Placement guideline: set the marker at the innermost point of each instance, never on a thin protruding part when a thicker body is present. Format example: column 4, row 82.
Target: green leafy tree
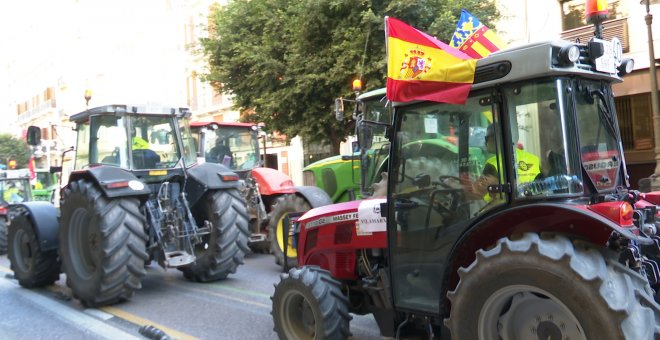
column 285, row 61
column 14, row 148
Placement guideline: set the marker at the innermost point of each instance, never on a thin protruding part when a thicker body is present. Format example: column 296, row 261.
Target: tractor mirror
column 339, row 109
column 33, row 136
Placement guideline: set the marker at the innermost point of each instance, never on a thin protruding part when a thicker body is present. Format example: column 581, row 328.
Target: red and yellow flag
column 421, row 67
column 474, row 38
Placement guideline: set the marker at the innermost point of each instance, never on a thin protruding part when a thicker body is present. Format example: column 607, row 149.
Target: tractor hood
column 365, row 213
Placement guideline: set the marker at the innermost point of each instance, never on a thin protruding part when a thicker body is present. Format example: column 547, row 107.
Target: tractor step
column 178, row 258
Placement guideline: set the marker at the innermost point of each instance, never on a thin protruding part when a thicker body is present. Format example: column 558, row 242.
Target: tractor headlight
column 569, row 54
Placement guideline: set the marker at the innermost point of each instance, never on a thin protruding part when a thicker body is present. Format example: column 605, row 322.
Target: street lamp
column 655, row 181
column 88, row 96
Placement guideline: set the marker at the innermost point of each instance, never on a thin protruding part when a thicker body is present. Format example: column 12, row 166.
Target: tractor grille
column 310, row 241
column 344, row 233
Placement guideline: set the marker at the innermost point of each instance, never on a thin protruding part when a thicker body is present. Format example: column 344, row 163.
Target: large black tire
column 551, row 288
column 3, row 236
column 32, row 267
column 223, row 250
column 309, row 304
column 102, row 244
column 283, row 205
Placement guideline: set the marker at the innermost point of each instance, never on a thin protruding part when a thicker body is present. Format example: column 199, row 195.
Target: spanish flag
column 473, row 38
column 421, row 67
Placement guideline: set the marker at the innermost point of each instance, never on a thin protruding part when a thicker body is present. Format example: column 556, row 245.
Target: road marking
column 74, row 317
column 108, row 312
column 142, row 321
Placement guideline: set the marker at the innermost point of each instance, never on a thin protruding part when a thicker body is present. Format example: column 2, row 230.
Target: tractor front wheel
column 223, row 250
column 102, row 244
column 283, row 205
column 32, row 267
column 309, row 304
column 550, row 288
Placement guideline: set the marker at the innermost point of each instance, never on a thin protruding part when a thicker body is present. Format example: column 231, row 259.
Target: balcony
column 611, row 28
column 36, row 112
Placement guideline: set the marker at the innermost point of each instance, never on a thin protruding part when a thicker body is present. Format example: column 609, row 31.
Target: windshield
column 15, row 191
column 236, row 147
column 599, row 149
column 150, row 141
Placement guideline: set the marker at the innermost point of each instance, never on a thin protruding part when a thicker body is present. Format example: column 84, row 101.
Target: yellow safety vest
column 528, row 166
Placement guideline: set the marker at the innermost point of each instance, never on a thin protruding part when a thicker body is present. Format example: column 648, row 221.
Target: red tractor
column 270, row 194
column 553, row 246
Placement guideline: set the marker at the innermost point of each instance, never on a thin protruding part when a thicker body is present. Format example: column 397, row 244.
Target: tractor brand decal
column 331, row 219
column 369, row 217
column 601, row 165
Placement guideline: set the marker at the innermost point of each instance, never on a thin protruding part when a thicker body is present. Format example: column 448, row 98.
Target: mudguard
column 44, row 218
column 272, row 182
column 106, row 175
column 203, row 177
column 316, row 197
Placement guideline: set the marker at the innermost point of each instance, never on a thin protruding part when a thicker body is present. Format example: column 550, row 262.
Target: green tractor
column 340, row 176
column 46, row 185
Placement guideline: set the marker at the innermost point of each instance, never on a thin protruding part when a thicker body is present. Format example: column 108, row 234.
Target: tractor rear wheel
column 3, row 236
column 102, row 244
column 223, row 250
column 32, row 267
column 309, row 304
column 283, row 205
column 550, row 288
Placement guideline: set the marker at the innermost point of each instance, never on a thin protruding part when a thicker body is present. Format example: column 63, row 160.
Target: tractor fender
column 567, row 219
column 316, row 197
column 44, row 218
column 272, row 182
column 105, row 176
column 209, row 176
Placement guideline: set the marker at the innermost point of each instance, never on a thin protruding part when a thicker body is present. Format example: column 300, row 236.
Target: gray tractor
column 135, row 194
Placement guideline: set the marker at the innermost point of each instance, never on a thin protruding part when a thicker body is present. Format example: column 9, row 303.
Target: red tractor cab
column 270, row 194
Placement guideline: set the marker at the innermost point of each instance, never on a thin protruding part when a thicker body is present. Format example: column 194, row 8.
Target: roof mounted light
column 569, row 54
column 626, row 67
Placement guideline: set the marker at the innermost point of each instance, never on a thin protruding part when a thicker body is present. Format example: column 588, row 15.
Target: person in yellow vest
column 528, row 167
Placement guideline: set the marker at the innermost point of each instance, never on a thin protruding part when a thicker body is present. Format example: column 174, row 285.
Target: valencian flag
column 421, row 67
column 473, row 38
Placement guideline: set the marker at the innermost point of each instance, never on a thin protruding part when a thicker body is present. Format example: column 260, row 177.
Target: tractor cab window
column 374, row 144
column 101, row 140
column 440, row 152
column 189, row 143
column 541, row 132
column 236, row 147
column 153, row 142
column 600, row 155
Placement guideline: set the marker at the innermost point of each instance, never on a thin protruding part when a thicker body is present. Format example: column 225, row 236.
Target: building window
column 634, row 115
column 572, row 13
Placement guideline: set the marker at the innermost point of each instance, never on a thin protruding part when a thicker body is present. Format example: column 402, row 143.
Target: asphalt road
column 236, row 308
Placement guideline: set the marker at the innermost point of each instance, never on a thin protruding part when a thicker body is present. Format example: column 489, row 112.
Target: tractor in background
column 46, row 185
column 135, row 195
column 14, row 188
column 269, row 194
column 464, row 248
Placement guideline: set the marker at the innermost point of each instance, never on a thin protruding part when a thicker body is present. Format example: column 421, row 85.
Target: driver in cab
column 527, row 168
